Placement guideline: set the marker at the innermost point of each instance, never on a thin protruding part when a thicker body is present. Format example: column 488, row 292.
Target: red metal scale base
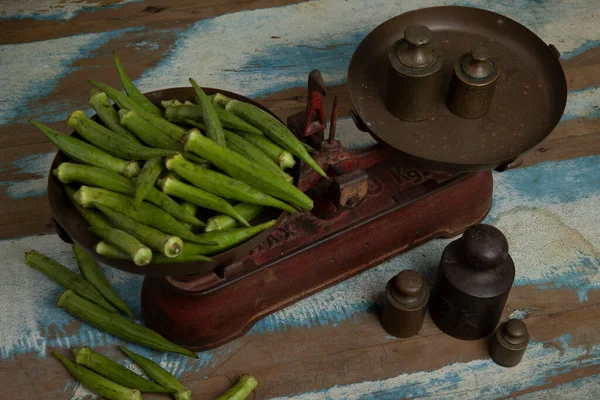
column 374, row 206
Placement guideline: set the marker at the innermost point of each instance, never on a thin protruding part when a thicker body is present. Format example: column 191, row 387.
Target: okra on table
column 116, row 324
column 91, row 271
column 241, row 390
column 66, row 278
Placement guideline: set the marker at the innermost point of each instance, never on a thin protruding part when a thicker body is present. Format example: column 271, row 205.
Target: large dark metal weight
column 474, row 279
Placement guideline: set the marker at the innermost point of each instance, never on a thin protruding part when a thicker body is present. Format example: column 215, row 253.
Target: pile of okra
column 144, row 173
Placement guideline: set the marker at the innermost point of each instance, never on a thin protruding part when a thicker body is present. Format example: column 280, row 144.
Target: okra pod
column 146, row 179
column 225, row 222
column 120, row 99
column 97, row 383
column 175, row 132
column 66, row 278
column 93, row 217
column 111, row 142
column 168, row 245
column 115, row 372
column 240, row 168
column 133, row 91
column 199, row 161
column 214, row 129
column 110, row 251
column 281, row 157
column 241, row 390
column 139, row 253
column 183, row 258
column 190, row 207
column 99, row 177
column 225, row 239
column 159, row 374
column 146, row 132
column 108, row 115
column 91, row 271
column 186, row 112
column 173, row 187
column 116, row 324
column 167, row 103
column 222, row 185
column 145, row 213
column 251, row 152
column 274, row 130
column 88, row 154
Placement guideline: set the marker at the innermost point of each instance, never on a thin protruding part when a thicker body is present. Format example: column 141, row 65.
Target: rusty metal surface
column 509, row 342
column 473, row 281
column 71, row 225
column 529, row 100
column 405, row 207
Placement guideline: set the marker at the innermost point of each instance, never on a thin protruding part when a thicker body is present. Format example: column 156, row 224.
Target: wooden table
column 329, row 346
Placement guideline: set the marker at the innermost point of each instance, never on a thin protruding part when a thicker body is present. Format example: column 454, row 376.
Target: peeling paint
column 42, row 10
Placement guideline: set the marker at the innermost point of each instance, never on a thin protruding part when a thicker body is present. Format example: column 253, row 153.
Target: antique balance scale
column 429, row 175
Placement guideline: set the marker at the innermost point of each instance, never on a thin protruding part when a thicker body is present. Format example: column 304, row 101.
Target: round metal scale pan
column 75, row 226
column 529, row 101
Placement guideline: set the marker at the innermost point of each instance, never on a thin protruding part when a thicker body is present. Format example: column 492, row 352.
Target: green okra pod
column 91, row 271
column 241, row 390
column 172, row 102
column 66, row 278
column 111, row 142
column 99, row 177
column 97, row 383
column 93, row 217
column 214, row 129
column 225, row 239
column 146, row 179
column 225, row 222
column 274, row 130
column 88, row 154
column 147, row 132
column 139, row 253
column 115, row 372
column 280, row 156
column 252, row 152
column 110, row 251
column 222, row 185
column 108, row 115
column 173, row 187
column 159, row 374
column 116, row 324
column 133, row 91
column 192, row 112
column 238, row 167
column 168, row 245
column 146, row 213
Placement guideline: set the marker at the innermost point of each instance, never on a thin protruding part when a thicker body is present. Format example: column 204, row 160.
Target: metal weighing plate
column 73, row 227
column 530, row 96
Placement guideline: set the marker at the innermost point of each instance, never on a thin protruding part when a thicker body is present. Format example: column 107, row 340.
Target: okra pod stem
column 225, row 239
column 133, row 91
column 146, row 213
column 102, row 178
column 159, row 374
column 139, row 253
column 146, row 179
column 116, row 324
column 186, row 112
column 91, row 271
column 214, row 129
column 281, row 157
column 168, row 245
column 111, row 142
column 251, row 152
column 225, row 222
column 242, row 389
column 222, row 185
column 88, row 154
column 116, row 372
column 173, row 187
column 274, row 130
column 66, row 278
column 108, row 115
column 110, row 251
column 97, row 383
column 147, row 132
column 240, row 168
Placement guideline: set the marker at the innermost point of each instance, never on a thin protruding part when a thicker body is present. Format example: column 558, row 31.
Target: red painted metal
column 405, row 207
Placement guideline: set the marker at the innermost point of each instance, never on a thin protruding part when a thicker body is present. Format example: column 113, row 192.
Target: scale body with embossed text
column 429, row 176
